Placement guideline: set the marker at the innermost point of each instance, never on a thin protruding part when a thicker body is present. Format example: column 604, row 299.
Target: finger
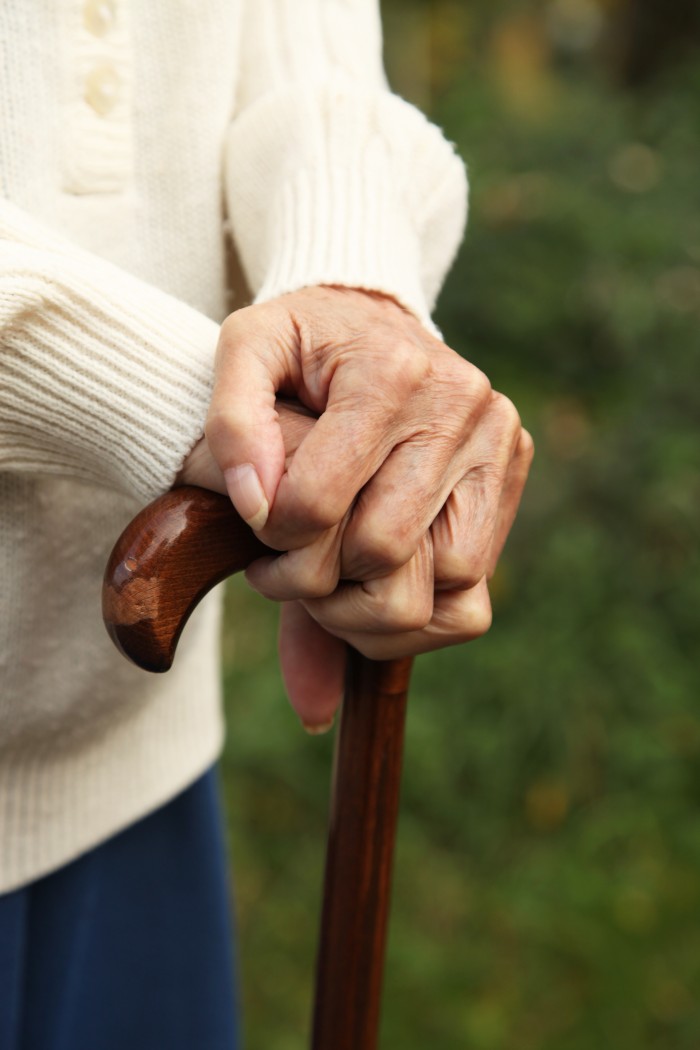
column 313, row 667
column 400, row 602
column 307, row 572
column 346, row 447
column 399, row 504
column 458, row 617
column 242, row 426
column 516, row 477
column 401, row 501
column 463, row 532
column 200, row 468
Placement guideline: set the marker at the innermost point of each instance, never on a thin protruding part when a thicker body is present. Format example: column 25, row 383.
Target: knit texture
column 129, row 143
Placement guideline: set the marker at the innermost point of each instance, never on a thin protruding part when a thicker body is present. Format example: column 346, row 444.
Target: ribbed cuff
column 329, row 185
column 343, row 227
column 105, row 378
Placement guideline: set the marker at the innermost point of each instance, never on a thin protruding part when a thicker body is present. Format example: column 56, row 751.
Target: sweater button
column 99, row 16
column 102, row 89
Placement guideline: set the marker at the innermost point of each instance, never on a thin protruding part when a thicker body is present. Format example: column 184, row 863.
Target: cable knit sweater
column 132, row 135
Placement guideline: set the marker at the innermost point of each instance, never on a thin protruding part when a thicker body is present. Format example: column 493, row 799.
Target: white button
column 99, row 16
column 102, row 88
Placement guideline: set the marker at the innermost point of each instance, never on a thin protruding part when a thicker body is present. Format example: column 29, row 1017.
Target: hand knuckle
column 414, row 365
column 506, row 412
column 315, row 509
column 231, row 324
column 319, row 513
column 315, row 583
column 404, row 368
column 482, row 620
column 527, row 445
column 384, row 551
column 234, row 326
column 227, row 335
column 469, row 391
column 220, row 424
column 398, row 615
column 480, row 386
column 477, row 616
column 419, row 618
column 456, row 571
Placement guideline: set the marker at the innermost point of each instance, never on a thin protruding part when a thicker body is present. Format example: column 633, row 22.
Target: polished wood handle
column 164, row 562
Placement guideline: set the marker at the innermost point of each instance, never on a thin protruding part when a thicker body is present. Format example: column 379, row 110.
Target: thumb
column 313, row 667
column 242, row 428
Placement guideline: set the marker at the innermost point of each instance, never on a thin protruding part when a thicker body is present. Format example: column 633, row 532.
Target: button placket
column 98, row 144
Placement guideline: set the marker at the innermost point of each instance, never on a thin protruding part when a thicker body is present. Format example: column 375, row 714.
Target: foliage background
column 547, row 887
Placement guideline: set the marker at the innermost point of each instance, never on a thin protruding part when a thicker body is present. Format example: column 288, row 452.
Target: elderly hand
column 407, row 484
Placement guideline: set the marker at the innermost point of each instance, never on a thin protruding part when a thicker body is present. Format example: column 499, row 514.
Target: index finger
column 346, row 447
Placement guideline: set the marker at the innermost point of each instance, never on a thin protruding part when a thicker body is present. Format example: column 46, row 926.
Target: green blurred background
column 547, row 889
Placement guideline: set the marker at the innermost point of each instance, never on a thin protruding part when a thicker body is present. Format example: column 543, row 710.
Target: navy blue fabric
column 130, row 946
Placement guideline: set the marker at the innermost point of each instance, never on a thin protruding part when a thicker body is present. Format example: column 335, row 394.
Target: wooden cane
column 164, row 562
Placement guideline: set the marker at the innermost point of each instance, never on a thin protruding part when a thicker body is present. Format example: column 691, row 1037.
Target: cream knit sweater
column 130, row 132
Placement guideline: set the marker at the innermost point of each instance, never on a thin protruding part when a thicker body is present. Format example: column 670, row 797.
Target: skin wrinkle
column 372, row 544
column 458, row 617
column 302, row 573
column 465, row 559
column 399, row 496
column 300, row 489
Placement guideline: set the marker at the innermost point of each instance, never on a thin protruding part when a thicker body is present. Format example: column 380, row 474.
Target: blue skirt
column 130, row 946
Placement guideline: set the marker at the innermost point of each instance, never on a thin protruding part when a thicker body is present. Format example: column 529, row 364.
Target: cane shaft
column 364, row 811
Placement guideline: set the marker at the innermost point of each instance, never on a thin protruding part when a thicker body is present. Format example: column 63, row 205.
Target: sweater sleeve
column 329, row 177
column 103, row 377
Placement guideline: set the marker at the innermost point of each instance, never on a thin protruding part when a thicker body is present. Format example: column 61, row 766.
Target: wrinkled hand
column 407, row 484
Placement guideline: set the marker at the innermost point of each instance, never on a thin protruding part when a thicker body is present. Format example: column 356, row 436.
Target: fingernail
column 247, row 495
column 317, row 730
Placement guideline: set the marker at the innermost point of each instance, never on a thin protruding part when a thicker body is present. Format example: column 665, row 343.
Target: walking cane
column 165, row 561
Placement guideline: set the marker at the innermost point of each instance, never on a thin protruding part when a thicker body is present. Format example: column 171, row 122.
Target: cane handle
column 163, row 564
